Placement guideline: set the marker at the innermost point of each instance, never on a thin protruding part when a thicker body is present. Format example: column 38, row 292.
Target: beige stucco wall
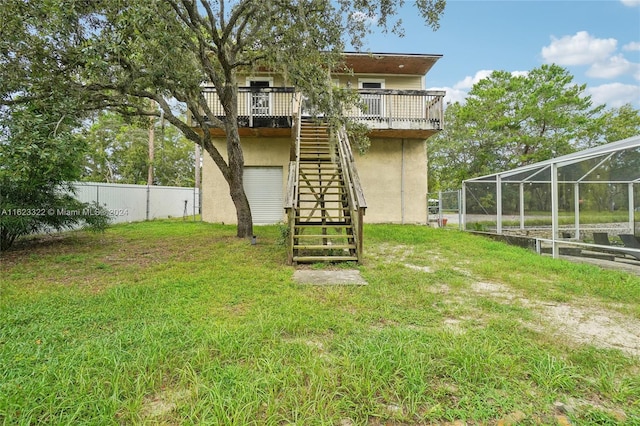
column 277, row 80
column 394, row 192
column 400, row 81
column 217, row 205
column 405, row 82
column 394, row 184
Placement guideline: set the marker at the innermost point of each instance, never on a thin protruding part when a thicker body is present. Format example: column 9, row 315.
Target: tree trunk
column 243, row 211
column 236, row 175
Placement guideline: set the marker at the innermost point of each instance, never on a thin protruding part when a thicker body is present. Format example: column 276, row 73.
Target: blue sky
column 597, row 41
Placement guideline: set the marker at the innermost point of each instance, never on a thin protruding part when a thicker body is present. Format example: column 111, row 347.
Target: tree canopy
column 40, row 155
column 119, row 55
column 117, row 152
column 513, row 120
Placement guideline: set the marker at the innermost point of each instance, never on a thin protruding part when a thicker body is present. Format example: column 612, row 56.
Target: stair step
column 328, row 186
column 317, row 220
column 315, row 227
column 314, row 183
column 323, row 208
column 331, row 190
column 317, row 197
column 301, row 186
column 322, row 236
column 307, row 259
column 334, row 201
column 324, row 246
column 331, row 202
column 325, row 177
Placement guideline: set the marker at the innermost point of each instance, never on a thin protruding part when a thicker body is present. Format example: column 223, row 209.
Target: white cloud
column 579, row 49
column 460, row 90
column 469, row 81
column 634, row 45
column 615, row 94
column 613, row 67
column 631, row 3
column 452, row 95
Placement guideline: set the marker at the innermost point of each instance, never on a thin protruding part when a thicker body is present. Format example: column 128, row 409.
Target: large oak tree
column 120, row 54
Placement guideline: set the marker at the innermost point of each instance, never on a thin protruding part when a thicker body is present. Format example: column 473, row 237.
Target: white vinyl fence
column 133, row 203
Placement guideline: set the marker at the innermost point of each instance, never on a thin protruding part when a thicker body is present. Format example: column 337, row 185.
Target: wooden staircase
column 325, row 222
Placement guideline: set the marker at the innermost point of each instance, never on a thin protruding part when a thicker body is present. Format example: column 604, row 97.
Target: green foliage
column 284, row 233
column 118, row 153
column 620, row 123
column 512, row 120
column 39, row 156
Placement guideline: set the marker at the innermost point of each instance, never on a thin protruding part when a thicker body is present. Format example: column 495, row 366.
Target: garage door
column 263, row 186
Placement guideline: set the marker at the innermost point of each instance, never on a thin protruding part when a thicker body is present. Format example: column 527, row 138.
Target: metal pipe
column 554, row 210
column 576, row 201
column 521, row 205
column 631, row 210
column 499, row 205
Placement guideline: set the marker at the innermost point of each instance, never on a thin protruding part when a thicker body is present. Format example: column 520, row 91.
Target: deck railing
column 379, row 109
column 399, row 109
column 258, row 106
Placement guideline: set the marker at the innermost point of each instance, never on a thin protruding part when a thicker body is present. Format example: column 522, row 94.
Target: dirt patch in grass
column 162, row 403
column 391, row 252
column 582, row 321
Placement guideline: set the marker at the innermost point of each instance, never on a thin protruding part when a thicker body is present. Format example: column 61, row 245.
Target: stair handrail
column 355, row 194
column 291, row 198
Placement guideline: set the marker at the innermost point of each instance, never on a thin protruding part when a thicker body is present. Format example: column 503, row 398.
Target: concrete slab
column 328, row 277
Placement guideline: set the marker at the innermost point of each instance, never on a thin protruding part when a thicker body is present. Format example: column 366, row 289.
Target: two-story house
column 298, row 163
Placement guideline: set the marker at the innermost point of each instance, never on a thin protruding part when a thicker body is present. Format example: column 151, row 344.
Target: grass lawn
column 171, row 322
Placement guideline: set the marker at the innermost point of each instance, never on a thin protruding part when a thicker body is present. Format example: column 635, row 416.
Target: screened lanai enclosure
column 582, row 204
